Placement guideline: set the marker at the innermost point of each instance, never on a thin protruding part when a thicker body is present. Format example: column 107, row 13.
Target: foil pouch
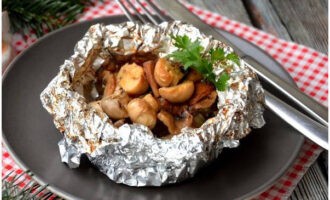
column 131, row 154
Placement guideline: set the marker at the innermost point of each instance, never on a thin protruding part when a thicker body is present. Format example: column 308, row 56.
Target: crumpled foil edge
column 131, row 154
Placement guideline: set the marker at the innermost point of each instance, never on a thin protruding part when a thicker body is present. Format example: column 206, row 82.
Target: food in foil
column 156, row 93
column 150, row 105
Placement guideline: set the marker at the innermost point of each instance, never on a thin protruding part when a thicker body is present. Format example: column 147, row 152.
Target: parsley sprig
column 189, row 54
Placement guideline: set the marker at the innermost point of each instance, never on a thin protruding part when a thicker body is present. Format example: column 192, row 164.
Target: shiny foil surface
column 131, row 154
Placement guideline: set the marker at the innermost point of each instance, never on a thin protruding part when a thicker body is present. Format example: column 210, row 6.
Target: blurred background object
column 7, row 50
column 42, row 16
column 37, row 17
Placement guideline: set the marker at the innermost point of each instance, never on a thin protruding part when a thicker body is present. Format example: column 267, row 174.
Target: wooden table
column 301, row 21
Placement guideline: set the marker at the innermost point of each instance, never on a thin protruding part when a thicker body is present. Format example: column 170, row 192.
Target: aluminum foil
column 131, row 154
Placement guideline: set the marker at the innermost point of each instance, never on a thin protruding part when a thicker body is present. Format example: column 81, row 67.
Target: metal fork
column 309, row 105
column 307, row 126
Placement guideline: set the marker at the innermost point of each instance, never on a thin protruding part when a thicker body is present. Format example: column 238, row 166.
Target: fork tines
column 152, row 14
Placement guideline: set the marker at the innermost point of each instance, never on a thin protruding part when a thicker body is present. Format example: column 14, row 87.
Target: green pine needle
column 41, row 15
column 189, row 54
column 11, row 191
column 31, row 191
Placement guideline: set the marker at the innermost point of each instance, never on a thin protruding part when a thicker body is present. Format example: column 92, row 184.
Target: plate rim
column 63, row 194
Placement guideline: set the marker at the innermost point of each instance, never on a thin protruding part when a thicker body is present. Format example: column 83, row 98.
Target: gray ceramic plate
column 32, row 139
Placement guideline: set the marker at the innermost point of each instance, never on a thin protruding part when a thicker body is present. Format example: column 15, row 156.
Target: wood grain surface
column 306, row 22
column 264, row 17
column 225, row 8
column 301, row 21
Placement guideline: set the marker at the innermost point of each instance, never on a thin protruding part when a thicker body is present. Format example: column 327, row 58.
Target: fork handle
column 311, row 107
column 316, row 110
column 308, row 127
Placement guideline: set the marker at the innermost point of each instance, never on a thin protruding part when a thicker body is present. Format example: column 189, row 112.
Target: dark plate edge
column 65, row 195
column 268, row 184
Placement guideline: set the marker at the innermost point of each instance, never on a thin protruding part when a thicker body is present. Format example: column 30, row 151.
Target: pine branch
column 12, row 191
column 42, row 15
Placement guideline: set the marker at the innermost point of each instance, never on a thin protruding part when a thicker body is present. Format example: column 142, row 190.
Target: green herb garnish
column 189, row 54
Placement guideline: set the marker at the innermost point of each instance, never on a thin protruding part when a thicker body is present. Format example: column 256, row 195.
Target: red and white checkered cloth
column 307, row 66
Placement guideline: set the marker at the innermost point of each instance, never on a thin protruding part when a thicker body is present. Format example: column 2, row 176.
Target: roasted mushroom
column 140, row 111
column 115, row 105
column 131, row 78
column 176, row 105
column 179, row 93
column 165, row 74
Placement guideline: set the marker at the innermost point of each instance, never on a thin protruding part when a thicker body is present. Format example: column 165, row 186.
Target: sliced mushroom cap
column 179, row 93
column 166, row 74
column 141, row 112
column 132, row 79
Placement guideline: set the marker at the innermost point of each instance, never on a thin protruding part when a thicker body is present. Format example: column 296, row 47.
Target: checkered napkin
column 307, row 66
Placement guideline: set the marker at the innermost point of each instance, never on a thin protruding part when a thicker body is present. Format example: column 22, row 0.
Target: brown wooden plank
column 272, row 16
column 306, row 21
column 312, row 186
column 264, row 17
column 324, row 3
column 233, row 9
